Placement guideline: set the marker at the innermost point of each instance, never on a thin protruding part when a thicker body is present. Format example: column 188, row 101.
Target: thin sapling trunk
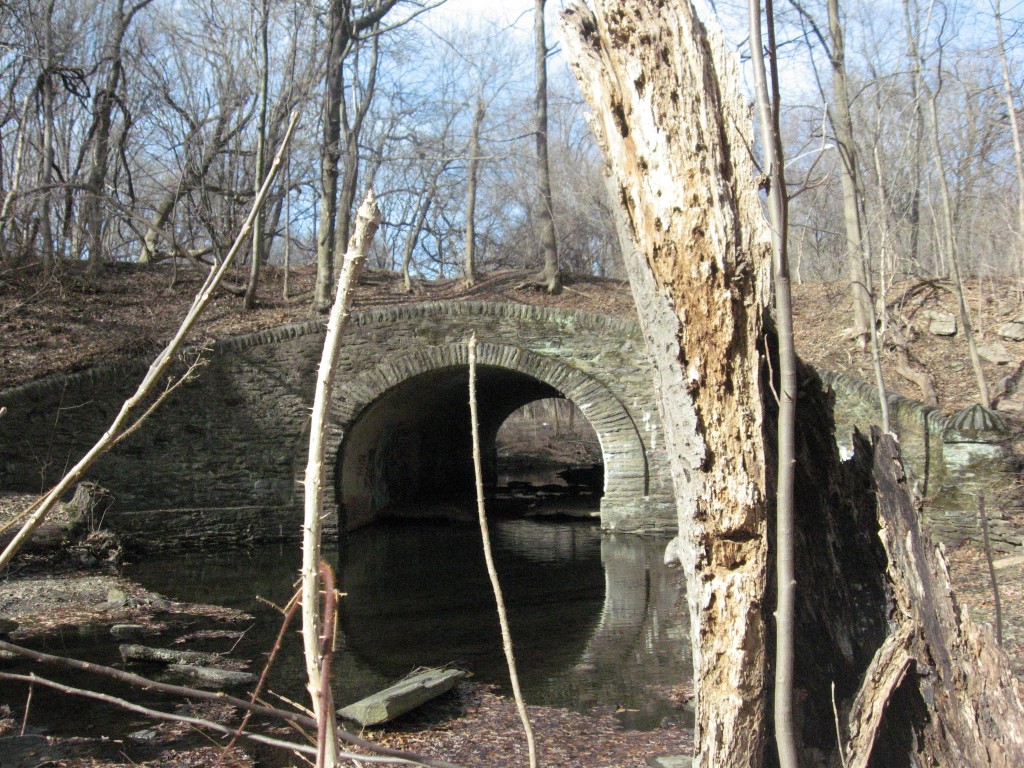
column 367, row 220
column 492, row 572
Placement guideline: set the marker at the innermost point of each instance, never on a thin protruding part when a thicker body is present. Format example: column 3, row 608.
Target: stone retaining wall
column 948, row 467
column 919, row 426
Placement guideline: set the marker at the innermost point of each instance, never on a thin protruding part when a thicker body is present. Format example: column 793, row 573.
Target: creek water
column 598, row 622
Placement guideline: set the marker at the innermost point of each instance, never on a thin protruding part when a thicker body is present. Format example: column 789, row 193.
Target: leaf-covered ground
column 62, row 321
column 481, row 730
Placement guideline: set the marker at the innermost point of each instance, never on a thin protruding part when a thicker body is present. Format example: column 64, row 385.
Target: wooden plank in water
column 402, row 697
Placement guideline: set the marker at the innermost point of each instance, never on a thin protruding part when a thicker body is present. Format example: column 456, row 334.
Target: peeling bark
column 315, row 627
column 670, row 119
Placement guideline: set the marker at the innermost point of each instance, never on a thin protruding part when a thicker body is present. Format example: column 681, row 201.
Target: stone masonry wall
column 947, row 474
column 220, row 461
column 225, row 450
column 919, row 426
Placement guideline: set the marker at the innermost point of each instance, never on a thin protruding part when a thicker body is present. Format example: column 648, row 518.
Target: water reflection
column 597, row 620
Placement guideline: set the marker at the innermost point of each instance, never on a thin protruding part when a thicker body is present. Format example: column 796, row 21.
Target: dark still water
column 596, row 619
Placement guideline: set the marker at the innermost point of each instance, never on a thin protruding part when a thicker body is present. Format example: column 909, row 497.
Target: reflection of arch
column 419, row 595
column 640, row 603
column 625, row 461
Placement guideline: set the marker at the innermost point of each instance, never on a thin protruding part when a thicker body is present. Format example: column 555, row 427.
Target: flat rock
column 402, row 697
column 128, row 631
column 671, row 761
column 147, row 736
column 212, row 677
column 1013, row 330
column 941, row 324
column 1008, row 562
column 131, row 652
column 995, row 352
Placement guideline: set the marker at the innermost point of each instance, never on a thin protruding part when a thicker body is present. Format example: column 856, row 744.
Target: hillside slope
column 65, row 321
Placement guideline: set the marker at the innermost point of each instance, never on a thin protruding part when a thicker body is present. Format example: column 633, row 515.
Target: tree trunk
column 912, row 370
column 192, row 175
column 352, row 129
column 12, row 192
column 842, row 123
column 338, row 36
column 669, row 124
column 45, row 200
column 102, row 125
column 417, row 228
column 492, row 571
column 318, row 681
column 258, row 240
column 953, row 256
column 914, row 214
column 343, row 32
column 952, row 696
column 768, row 107
column 674, row 126
column 1018, row 144
column 287, row 228
column 550, row 276
column 474, row 162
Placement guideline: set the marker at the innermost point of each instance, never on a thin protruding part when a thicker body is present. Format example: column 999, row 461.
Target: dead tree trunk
column 316, row 628
column 669, row 123
column 675, row 130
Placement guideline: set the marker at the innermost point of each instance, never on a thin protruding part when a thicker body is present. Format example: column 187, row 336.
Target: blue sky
column 504, row 11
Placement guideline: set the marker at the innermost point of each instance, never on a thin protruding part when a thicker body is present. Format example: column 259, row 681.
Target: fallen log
column 402, row 697
column 948, row 688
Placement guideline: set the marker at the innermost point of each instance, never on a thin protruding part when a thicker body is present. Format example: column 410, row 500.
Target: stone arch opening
column 548, row 462
column 400, row 433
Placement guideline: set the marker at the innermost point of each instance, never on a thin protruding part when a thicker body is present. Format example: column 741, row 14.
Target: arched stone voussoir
column 622, row 447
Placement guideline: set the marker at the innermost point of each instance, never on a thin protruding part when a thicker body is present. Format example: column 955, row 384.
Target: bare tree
column 347, row 24
column 259, row 244
column 107, row 97
column 1009, row 97
column 768, row 106
column 550, row 276
column 949, row 239
column 842, row 123
column 471, row 181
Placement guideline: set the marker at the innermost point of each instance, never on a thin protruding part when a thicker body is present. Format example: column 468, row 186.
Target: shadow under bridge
column 404, row 441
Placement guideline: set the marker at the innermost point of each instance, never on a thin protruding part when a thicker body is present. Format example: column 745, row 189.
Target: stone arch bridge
column 224, row 457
